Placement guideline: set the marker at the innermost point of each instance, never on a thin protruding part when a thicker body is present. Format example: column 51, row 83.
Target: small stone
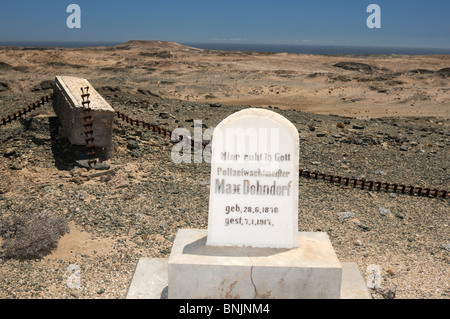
column 102, row 166
column 399, row 215
column 105, row 178
column 40, row 139
column 403, row 148
column 15, row 167
column 9, row 152
column 215, row 104
column 346, row 216
column 358, row 243
column 340, row 125
column 132, row 145
column 98, row 166
column 358, row 127
column 371, row 140
column 337, row 136
column 384, row 211
column 136, row 153
column 320, row 134
column 363, row 227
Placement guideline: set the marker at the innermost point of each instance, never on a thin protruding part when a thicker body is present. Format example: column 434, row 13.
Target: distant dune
column 361, row 86
column 155, row 45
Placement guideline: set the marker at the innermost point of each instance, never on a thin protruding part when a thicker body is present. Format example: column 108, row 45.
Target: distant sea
column 246, row 47
column 316, row 49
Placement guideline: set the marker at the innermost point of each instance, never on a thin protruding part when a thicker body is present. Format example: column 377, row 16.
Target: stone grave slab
column 68, row 107
column 200, row 271
column 150, row 280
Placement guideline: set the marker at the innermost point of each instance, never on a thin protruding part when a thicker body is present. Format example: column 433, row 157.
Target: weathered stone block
column 311, row 270
column 67, row 103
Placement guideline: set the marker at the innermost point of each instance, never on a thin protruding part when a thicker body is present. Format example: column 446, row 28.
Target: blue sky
column 404, row 23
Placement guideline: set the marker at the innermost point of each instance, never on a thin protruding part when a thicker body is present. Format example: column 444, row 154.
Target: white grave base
column 196, row 271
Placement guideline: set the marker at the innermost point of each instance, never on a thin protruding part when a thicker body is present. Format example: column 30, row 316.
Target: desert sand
column 359, row 86
column 375, row 117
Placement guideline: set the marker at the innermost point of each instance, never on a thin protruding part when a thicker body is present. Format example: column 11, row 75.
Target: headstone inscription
column 252, row 248
column 254, row 181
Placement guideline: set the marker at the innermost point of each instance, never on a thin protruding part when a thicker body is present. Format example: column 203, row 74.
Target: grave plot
column 252, row 248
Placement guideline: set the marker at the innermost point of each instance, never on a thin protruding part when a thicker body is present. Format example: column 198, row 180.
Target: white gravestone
column 254, row 181
column 252, row 247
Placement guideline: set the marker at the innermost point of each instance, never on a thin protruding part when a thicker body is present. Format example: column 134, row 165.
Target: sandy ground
column 360, row 86
column 406, row 98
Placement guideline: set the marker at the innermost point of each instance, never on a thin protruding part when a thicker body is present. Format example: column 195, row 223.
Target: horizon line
column 287, row 43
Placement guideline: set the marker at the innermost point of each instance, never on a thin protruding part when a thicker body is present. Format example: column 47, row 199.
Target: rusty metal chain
column 373, row 185
column 335, row 179
column 88, row 127
column 22, row 112
column 155, row 128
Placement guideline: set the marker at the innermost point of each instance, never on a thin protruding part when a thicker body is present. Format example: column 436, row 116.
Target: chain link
column 22, row 112
column 335, row 179
column 373, row 185
column 88, row 127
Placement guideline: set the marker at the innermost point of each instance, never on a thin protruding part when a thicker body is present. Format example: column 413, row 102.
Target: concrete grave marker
column 252, row 247
column 67, row 103
column 254, row 181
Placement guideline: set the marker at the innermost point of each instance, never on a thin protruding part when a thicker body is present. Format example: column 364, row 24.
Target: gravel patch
column 135, row 205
